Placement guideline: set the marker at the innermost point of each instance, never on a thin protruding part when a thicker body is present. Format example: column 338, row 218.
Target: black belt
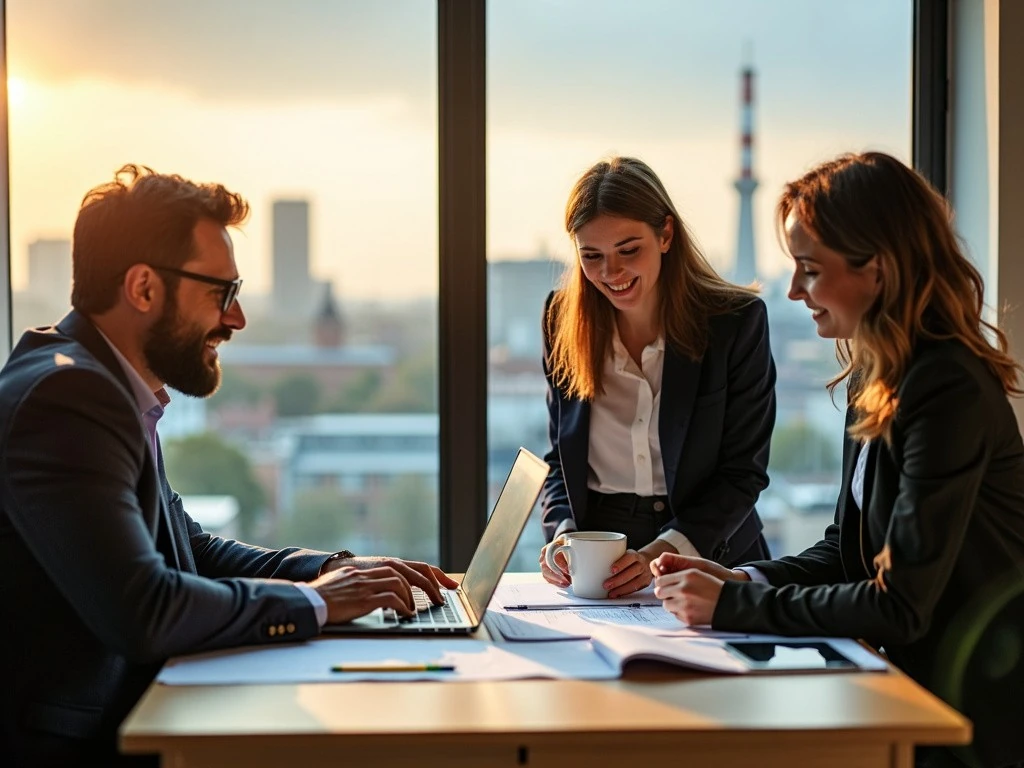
column 627, row 502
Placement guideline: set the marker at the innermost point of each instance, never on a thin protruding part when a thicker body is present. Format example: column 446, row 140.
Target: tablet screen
column 789, row 655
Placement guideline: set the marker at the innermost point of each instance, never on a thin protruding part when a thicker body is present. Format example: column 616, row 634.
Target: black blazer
column 102, row 573
column 715, row 425
column 945, row 517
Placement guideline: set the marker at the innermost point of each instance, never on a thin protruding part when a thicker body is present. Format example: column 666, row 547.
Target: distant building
column 516, row 291
column 328, row 329
column 49, row 271
column 330, row 366
column 217, row 514
column 185, row 416
column 292, row 287
column 358, row 454
column 516, row 411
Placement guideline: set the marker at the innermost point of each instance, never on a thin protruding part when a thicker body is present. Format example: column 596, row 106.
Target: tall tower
column 745, row 269
column 292, row 286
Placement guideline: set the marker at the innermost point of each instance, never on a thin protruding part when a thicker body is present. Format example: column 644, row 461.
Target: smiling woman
column 661, row 385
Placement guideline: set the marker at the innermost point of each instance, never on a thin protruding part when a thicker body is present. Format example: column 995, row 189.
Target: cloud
column 232, row 50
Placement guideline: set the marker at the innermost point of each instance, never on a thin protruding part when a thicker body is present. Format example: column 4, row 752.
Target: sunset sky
column 336, row 102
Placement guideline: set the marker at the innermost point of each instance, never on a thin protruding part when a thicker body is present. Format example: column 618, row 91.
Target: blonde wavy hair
column 579, row 321
column 871, row 205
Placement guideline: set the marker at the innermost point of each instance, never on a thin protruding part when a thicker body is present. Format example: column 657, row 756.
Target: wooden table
column 654, row 712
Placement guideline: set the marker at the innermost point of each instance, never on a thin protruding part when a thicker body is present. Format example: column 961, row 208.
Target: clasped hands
column 689, row 587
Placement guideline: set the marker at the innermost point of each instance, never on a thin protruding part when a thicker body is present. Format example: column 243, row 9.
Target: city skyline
column 348, row 121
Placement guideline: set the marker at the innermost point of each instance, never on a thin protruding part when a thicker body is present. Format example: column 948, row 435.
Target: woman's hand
column 689, row 587
column 558, row 578
column 673, row 563
column 633, row 571
column 630, row 573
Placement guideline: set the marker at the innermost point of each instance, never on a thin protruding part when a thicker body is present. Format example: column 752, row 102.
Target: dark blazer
column 715, row 425
column 945, row 518
column 103, row 575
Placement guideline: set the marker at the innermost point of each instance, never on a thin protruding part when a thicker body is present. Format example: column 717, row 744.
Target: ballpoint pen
column 400, row 667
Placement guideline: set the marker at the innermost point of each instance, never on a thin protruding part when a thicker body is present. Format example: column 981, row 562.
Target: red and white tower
column 745, row 269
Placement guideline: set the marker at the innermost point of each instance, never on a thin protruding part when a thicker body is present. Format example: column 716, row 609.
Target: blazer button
column 291, row 629
column 280, row 629
column 272, row 631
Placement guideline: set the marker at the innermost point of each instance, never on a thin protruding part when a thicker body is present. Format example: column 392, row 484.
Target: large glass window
column 324, row 116
column 572, row 81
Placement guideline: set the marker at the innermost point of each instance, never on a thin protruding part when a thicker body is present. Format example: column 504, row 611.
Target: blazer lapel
column 177, row 536
column 574, row 449
column 81, row 329
column 849, row 533
column 679, row 381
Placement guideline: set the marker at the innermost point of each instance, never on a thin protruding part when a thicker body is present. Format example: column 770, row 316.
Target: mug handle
column 549, row 556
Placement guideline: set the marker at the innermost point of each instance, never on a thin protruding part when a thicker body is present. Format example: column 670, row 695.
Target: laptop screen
column 511, row 511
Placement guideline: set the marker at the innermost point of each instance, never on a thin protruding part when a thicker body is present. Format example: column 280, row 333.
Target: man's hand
column 632, row 572
column 353, row 592
column 426, row 577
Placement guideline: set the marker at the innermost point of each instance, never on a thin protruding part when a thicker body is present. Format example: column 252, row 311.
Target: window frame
column 6, row 294
column 462, row 256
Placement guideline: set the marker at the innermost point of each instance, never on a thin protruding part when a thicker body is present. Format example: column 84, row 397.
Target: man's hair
column 141, row 217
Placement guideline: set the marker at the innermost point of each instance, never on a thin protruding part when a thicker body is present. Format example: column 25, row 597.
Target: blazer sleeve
column 217, row 557
column 728, row 497
column 821, row 563
column 939, row 444
column 70, row 468
column 554, row 498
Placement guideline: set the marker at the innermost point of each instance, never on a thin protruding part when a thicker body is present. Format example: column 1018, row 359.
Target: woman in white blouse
column 660, row 386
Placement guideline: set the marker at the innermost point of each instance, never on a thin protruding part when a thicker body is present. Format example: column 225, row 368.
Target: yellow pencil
column 360, row 667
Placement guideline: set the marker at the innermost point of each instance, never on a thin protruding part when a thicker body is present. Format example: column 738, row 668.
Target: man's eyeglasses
column 231, row 287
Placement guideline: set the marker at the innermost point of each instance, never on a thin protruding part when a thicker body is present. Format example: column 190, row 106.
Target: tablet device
column 789, row 655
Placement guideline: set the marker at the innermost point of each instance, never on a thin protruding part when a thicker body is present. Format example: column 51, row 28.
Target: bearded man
column 103, row 575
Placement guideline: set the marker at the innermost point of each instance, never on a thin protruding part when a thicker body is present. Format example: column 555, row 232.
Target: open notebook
column 738, row 655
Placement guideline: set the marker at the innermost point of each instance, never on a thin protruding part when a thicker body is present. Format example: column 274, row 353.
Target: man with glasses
column 104, row 574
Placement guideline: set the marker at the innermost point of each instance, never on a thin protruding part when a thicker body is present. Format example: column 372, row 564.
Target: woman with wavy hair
column 926, row 555
column 660, row 385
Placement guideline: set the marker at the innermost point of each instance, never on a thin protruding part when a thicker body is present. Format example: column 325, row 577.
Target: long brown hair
column 579, row 323
column 871, row 205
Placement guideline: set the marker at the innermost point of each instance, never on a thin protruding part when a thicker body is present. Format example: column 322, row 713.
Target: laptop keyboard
column 429, row 615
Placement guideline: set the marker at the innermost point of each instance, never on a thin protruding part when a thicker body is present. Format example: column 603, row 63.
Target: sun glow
column 17, row 91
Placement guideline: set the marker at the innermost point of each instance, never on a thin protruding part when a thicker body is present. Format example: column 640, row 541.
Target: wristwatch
column 344, row 554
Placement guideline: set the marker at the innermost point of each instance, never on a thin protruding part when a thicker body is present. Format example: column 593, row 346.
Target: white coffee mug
column 590, row 555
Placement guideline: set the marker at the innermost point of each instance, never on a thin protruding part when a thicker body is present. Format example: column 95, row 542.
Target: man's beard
column 176, row 354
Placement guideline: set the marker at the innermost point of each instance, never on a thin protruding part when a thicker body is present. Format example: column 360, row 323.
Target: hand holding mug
column 559, row 575
column 590, row 555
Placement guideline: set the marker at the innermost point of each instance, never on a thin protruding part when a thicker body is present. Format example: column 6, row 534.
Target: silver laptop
column 463, row 609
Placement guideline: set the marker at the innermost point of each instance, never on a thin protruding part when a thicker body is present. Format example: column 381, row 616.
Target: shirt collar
column 619, row 354
column 146, row 399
